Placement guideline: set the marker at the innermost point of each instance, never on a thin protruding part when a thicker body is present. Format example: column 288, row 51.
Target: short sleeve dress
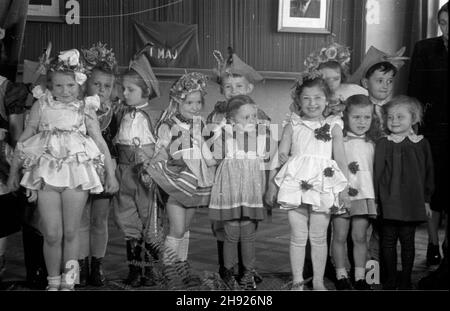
column 310, row 177
column 360, row 154
column 61, row 154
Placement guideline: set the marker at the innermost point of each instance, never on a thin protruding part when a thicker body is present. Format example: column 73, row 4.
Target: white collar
column 398, row 138
column 379, row 102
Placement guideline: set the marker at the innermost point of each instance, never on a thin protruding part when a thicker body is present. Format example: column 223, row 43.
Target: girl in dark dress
column 403, row 174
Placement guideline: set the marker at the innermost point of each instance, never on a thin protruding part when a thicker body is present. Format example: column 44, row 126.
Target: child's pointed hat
column 375, row 56
column 233, row 65
column 141, row 65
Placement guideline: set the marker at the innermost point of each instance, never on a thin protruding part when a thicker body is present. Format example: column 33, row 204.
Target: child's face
column 313, row 102
column 64, row 87
column 192, row 105
column 332, row 78
column 380, row 84
column 100, row 83
column 359, row 119
column 443, row 24
column 233, row 86
column 399, row 120
column 246, row 116
column 132, row 92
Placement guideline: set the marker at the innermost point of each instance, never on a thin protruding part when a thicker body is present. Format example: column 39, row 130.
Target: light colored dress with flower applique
column 61, row 154
column 310, row 176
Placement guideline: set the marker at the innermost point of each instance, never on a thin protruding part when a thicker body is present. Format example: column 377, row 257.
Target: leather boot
column 97, row 277
column 135, row 262
column 148, row 279
column 84, row 272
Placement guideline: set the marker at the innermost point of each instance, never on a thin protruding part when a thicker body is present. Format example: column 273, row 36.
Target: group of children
column 348, row 154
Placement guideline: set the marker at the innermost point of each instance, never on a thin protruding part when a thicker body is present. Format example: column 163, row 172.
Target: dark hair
column 146, row 91
column 361, row 101
column 335, row 66
column 443, row 9
column 235, row 103
column 309, row 82
column 413, row 105
column 104, row 67
column 384, row 67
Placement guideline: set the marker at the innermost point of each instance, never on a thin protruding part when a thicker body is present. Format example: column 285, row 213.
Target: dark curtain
column 13, row 14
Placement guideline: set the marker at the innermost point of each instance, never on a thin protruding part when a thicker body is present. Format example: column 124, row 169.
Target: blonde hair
column 414, row 107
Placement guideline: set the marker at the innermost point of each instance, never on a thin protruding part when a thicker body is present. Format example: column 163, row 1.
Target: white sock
column 360, row 273
column 171, row 250
column 183, row 249
column 341, row 273
column 54, row 282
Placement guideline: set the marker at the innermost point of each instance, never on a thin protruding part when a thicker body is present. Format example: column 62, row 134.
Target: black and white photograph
column 238, row 151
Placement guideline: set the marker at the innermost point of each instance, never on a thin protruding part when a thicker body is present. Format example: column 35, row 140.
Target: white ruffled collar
column 398, row 138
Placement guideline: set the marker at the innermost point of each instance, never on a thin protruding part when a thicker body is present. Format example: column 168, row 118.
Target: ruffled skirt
column 63, row 159
column 312, row 180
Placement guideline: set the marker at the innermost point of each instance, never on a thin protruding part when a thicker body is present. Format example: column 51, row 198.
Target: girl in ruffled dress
column 311, row 182
column 64, row 156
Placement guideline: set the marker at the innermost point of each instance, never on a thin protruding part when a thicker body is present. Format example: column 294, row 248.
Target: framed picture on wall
column 307, row 16
column 46, row 11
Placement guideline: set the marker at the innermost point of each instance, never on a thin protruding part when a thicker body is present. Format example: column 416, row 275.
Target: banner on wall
column 172, row 44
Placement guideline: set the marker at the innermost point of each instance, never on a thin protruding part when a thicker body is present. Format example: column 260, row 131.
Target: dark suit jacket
column 428, row 79
column 313, row 10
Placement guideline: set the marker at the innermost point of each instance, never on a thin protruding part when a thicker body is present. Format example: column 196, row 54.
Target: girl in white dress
column 311, row 182
column 361, row 129
column 63, row 154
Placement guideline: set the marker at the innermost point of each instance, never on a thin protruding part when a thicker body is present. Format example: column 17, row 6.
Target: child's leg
column 407, row 232
column 340, row 232
column 84, row 231
column 99, row 227
column 299, row 234
column 183, row 250
column 375, row 241
column 2, row 255
column 359, row 238
column 178, row 218
column 50, row 210
column 99, row 238
column 390, row 233
column 232, row 236
column 73, row 203
column 248, row 235
column 318, row 224
column 433, row 254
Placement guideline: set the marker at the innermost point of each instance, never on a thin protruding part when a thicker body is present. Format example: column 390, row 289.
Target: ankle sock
column 341, row 273
column 360, row 273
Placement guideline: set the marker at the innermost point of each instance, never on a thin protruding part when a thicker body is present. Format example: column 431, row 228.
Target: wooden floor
column 272, row 249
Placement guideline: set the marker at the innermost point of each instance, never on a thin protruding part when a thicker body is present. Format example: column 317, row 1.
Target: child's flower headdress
column 306, row 76
column 99, row 53
column 333, row 52
column 70, row 61
column 188, row 83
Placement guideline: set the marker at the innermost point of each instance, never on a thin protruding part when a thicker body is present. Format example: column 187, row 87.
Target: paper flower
column 187, row 84
column 99, row 53
column 306, row 76
column 353, row 167
column 305, row 186
column 70, row 57
column 328, row 172
column 323, row 133
column 333, row 52
column 352, row 192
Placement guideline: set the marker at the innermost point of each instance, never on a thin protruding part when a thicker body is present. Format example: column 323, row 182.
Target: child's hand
column 141, row 156
column 111, row 184
column 2, row 134
column 428, row 210
column 344, row 198
column 13, row 182
column 31, row 195
column 270, row 196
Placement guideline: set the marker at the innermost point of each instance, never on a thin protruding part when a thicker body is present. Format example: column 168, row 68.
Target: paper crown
column 233, row 65
column 141, row 65
column 375, row 56
column 97, row 54
column 333, row 52
column 188, row 83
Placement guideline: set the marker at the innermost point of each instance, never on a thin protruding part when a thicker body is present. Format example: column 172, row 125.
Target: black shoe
column 222, row 270
column 361, row 285
column 134, row 276
column 247, row 281
column 148, row 279
column 135, row 263
column 344, row 284
column 258, row 278
column 436, row 280
column 188, row 277
column 230, row 281
column 433, row 255
column 97, row 277
column 84, row 272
